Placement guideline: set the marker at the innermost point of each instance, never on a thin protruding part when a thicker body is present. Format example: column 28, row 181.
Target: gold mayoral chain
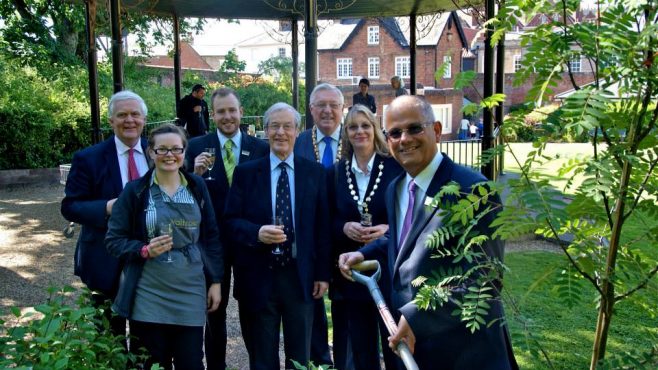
column 314, row 137
column 363, row 206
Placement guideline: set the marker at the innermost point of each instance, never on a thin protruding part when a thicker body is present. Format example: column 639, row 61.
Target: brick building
column 378, row 49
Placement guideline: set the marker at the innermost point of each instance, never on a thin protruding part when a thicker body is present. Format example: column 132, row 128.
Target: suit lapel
column 302, row 183
column 265, row 187
column 245, row 149
column 422, row 216
column 110, row 156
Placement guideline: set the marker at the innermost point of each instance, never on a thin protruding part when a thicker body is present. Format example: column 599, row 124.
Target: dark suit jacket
column 250, row 148
column 249, row 207
column 344, row 209
column 304, row 146
column 95, row 178
column 442, row 341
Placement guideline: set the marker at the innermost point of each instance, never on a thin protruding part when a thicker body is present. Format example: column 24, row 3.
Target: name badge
column 245, row 153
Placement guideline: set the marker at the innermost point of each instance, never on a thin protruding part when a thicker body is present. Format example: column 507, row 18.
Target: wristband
column 144, row 252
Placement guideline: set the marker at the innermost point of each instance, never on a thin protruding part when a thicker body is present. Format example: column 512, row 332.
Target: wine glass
column 210, row 151
column 278, row 222
column 366, row 219
column 166, row 229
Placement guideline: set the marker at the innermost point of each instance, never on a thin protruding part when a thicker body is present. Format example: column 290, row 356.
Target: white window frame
column 282, row 52
column 443, row 113
column 576, row 65
column 373, row 35
column 373, row 67
column 344, row 68
column 447, row 73
column 517, row 62
column 403, row 66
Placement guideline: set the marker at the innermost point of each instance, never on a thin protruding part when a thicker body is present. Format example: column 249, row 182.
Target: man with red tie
column 97, row 177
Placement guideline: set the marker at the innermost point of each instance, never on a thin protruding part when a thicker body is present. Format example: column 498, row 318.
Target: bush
column 64, row 338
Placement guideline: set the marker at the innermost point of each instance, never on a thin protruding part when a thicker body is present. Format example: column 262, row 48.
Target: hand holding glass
column 278, row 222
column 165, row 229
column 211, row 152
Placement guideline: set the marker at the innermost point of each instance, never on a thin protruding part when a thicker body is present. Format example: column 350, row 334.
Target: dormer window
column 373, row 35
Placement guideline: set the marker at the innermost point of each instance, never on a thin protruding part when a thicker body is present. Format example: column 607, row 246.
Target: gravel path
column 34, row 255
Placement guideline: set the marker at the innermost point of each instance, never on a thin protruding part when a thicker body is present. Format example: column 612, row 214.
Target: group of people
column 165, row 222
column 470, row 130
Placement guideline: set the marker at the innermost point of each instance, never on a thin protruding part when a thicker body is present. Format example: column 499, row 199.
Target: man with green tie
column 232, row 147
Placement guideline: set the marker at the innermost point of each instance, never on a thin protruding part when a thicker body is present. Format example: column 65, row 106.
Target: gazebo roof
column 286, row 9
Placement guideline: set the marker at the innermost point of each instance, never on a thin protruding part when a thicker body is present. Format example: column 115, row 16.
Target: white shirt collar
column 424, row 178
column 335, row 135
column 355, row 166
column 236, row 139
column 123, row 148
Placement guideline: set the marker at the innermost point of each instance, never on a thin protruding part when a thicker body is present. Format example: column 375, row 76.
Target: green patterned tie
column 229, row 160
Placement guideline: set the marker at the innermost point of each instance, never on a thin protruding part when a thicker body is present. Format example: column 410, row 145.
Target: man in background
column 194, row 112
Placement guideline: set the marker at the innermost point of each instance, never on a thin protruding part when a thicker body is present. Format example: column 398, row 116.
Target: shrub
column 64, row 338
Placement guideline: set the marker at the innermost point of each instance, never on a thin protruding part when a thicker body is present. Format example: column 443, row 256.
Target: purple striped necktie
column 409, row 215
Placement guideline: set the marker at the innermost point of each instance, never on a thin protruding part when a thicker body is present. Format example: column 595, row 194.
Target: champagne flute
column 277, row 221
column 166, row 229
column 210, row 151
column 366, row 219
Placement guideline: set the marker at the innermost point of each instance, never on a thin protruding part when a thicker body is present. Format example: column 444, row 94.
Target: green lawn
column 566, row 334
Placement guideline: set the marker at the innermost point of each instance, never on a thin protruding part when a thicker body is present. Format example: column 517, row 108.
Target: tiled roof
column 190, row 59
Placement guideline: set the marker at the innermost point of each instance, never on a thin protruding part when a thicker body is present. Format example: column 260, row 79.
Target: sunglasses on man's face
column 413, row 129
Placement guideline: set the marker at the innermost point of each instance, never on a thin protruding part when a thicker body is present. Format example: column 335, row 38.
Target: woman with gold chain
column 358, row 183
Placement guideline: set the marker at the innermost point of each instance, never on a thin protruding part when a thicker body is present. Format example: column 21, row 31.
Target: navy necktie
column 284, row 210
column 328, row 156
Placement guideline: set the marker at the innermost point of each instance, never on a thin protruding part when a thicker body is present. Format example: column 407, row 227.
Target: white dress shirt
column 122, row 155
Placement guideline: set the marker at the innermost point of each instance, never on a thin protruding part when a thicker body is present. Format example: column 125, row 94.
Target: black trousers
column 215, row 338
column 164, row 343
column 355, row 329
column 261, row 327
column 320, row 337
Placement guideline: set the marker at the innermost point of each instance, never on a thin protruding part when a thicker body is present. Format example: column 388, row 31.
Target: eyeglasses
column 286, row 127
column 413, row 129
column 164, row 151
column 322, row 105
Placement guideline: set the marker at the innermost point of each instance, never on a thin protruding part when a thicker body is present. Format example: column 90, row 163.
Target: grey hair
column 123, row 96
column 398, row 79
column 278, row 107
column 327, row 87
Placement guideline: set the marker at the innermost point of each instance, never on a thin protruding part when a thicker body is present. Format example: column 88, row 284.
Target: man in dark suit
column 439, row 339
column 98, row 174
column 232, row 148
column 321, row 143
column 280, row 267
column 194, row 112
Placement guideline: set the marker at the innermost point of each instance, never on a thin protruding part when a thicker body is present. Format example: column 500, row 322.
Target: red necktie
column 133, row 173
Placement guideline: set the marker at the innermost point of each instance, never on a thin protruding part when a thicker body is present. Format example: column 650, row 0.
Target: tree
column 44, row 32
column 608, row 220
column 620, row 183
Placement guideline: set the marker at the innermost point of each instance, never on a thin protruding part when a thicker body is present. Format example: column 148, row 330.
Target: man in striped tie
column 232, row 147
column 97, row 177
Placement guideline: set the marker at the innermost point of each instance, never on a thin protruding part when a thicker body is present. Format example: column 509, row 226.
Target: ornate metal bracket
column 298, row 6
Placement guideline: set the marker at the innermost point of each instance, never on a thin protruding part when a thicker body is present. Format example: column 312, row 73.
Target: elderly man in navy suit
column 321, row 143
column 97, row 177
column 232, row 147
column 438, row 338
column 278, row 215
